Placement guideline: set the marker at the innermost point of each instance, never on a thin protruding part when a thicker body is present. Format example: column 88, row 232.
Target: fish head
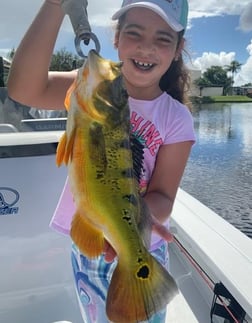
column 102, row 89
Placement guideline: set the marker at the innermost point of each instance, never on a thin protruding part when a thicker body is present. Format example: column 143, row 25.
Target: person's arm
column 29, row 81
column 164, row 183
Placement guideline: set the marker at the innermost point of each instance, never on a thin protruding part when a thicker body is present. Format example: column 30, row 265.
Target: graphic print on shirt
column 144, row 137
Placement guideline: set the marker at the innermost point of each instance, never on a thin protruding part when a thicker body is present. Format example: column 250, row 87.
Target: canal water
column 219, row 172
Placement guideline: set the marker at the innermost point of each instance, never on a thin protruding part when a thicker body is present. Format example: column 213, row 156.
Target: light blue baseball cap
column 174, row 12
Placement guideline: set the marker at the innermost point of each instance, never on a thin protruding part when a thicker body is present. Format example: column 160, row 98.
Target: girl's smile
column 143, row 66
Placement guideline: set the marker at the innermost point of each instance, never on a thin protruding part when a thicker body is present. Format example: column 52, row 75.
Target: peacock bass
column 96, row 148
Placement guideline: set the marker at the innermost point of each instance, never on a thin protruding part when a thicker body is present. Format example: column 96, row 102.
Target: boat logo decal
column 8, row 201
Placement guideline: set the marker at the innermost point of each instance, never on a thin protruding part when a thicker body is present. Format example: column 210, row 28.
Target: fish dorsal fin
column 137, row 149
column 145, row 223
column 144, row 218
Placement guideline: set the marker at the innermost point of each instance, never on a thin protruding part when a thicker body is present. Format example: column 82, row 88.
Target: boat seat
column 7, row 127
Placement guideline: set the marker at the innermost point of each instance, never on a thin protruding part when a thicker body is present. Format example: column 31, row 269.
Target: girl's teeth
column 143, row 64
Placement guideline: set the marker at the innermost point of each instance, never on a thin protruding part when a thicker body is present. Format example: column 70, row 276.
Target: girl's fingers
column 109, row 252
column 162, row 230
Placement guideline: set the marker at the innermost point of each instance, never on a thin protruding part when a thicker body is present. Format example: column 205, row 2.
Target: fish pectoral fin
column 88, row 238
column 136, row 294
column 71, row 89
column 60, row 153
column 70, row 146
column 65, row 148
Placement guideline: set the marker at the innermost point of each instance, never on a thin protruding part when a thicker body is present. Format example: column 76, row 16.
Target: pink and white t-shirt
column 157, row 122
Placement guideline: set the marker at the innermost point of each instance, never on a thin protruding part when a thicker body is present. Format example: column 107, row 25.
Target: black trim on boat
column 229, row 309
column 28, row 150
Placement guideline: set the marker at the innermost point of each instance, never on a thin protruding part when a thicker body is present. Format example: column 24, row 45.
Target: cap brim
column 168, row 19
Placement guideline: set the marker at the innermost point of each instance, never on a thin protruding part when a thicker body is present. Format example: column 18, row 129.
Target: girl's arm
column 29, row 81
column 164, row 183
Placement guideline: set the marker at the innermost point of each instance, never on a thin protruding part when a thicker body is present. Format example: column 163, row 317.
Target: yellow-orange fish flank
column 96, row 148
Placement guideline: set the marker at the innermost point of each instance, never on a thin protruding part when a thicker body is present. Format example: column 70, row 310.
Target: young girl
column 149, row 39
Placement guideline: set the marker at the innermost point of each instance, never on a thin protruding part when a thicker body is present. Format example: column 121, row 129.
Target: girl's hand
column 109, row 252
column 161, row 230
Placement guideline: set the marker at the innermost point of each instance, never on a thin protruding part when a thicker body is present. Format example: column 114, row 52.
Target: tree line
column 63, row 60
column 218, row 76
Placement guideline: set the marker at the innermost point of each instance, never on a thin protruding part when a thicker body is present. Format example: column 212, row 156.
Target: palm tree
column 234, row 67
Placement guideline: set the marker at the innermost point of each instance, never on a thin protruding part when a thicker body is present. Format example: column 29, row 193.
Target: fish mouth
column 93, row 52
column 143, row 66
column 93, row 56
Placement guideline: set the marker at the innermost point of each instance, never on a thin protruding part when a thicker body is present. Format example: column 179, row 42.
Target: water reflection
column 219, row 172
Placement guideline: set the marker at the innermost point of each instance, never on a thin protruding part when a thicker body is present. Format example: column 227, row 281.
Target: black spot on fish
column 111, row 100
column 99, row 174
column 97, row 146
column 143, row 272
column 131, row 198
column 128, row 173
column 127, row 219
column 125, row 144
column 125, row 212
column 115, row 185
column 139, row 260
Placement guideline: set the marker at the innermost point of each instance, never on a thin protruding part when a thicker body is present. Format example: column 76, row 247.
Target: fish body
column 96, row 148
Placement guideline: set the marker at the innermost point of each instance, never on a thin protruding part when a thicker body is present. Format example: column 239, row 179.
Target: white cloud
column 246, row 18
column 209, row 59
column 249, row 48
column 15, row 17
column 245, row 76
column 216, row 7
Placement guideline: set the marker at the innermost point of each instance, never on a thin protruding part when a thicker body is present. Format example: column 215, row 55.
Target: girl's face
column 146, row 46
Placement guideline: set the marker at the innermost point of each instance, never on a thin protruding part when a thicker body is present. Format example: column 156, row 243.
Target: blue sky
column 218, row 31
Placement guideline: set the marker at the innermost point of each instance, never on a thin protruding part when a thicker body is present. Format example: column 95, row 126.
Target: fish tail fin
column 89, row 240
column 136, row 295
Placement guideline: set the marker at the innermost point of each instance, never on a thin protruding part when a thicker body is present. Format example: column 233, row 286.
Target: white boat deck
column 220, row 249
column 178, row 311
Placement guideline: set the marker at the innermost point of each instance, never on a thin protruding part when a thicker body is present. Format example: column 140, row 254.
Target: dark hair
column 176, row 80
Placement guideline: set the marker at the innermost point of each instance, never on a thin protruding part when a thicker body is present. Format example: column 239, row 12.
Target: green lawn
column 231, row 98
column 227, row 98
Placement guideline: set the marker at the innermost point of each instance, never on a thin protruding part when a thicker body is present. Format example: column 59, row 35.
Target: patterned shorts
column 92, row 279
